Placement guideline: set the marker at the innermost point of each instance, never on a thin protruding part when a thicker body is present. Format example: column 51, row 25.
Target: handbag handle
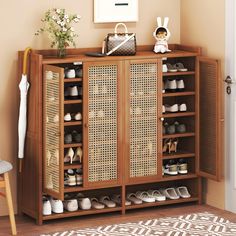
column 121, row 24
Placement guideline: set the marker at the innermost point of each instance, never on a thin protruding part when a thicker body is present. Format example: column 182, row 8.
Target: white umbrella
column 22, row 122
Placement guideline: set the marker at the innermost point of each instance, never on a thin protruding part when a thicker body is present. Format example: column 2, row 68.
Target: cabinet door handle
column 86, row 125
column 162, row 119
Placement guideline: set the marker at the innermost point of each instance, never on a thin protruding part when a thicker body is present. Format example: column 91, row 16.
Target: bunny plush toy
column 161, row 34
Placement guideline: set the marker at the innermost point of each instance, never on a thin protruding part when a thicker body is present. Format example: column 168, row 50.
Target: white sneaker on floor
column 71, row 205
column 180, row 84
column 57, row 205
column 47, row 208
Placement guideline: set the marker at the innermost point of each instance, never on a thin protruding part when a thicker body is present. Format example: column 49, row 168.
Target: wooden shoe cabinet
column 121, row 127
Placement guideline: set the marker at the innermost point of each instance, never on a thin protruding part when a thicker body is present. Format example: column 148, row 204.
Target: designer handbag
column 120, row 44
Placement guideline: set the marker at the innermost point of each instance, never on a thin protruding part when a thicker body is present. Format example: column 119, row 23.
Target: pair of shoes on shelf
column 174, row 167
column 73, row 137
column 176, row 127
column 73, row 177
column 52, row 205
column 176, row 193
column 73, row 92
column 71, row 116
column 170, row 145
column 176, row 67
column 72, row 156
column 145, row 196
column 173, row 85
column 174, row 108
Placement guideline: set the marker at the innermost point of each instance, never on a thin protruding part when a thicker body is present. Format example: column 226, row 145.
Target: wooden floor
column 27, row 227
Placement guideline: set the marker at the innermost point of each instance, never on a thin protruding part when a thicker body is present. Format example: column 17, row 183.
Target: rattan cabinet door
column 211, row 119
column 53, row 96
column 101, row 114
column 143, row 89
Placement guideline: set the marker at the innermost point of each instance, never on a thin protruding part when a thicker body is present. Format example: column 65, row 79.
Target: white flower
column 76, row 20
column 64, row 29
column 59, row 22
column 78, row 16
column 58, row 10
column 66, row 16
column 72, row 29
column 67, row 20
column 54, row 17
column 63, row 23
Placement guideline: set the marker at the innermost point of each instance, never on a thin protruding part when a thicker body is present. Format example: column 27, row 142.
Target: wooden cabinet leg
column 10, row 205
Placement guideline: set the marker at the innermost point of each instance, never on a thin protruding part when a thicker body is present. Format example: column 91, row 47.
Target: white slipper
column 132, row 197
column 170, row 193
column 157, row 195
column 96, row 204
column 144, row 196
column 183, row 192
column 117, row 199
column 107, row 201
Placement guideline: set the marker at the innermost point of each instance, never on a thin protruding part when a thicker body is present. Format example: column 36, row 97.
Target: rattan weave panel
column 51, row 120
column 143, row 122
column 102, row 132
column 208, row 86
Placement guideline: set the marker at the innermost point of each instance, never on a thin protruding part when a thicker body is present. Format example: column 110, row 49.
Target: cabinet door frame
column 107, row 183
column 60, row 71
column 218, row 120
column 158, row 176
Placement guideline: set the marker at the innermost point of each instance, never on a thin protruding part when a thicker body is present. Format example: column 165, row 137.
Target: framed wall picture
column 115, row 11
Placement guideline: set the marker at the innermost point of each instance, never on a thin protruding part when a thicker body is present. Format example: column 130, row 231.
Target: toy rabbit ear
column 159, row 21
column 166, row 20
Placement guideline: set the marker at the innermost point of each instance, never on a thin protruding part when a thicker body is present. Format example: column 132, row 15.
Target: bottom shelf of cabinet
column 80, row 213
column 162, row 203
column 118, row 209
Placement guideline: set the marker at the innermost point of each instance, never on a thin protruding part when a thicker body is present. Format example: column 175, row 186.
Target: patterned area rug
column 201, row 224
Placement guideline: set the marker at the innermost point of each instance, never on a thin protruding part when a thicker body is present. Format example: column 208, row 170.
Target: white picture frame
column 106, row 11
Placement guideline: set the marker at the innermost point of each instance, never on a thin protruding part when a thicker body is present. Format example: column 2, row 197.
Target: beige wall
column 202, row 23
column 20, row 20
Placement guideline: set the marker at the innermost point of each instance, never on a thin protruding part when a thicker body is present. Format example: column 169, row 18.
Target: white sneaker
column 67, row 117
column 164, row 68
column 57, row 205
column 84, row 203
column 180, row 84
column 70, row 74
column 170, row 85
column 71, row 205
column 163, row 109
column 173, row 108
column 71, row 177
column 73, row 91
column 47, row 208
column 78, row 116
column 183, row 107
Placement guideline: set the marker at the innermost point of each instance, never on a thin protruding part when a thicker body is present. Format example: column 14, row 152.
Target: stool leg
column 10, row 205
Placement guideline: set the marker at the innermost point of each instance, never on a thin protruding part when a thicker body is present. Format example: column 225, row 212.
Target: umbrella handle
column 26, row 52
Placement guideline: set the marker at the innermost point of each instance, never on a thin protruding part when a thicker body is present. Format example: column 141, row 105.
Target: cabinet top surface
column 139, row 55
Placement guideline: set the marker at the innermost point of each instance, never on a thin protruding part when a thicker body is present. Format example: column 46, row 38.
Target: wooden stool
column 4, row 183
